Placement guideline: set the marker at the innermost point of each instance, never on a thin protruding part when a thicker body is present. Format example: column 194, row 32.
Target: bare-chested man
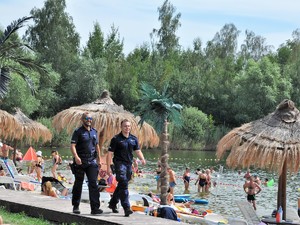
column 5, row 151
column 172, row 180
column 251, row 188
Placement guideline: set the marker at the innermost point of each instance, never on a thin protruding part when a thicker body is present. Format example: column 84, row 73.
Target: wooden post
column 279, row 192
column 15, row 151
column 283, row 194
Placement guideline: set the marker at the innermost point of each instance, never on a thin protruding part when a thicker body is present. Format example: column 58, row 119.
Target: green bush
column 193, row 132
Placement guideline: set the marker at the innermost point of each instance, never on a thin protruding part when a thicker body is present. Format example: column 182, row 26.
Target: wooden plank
column 248, row 212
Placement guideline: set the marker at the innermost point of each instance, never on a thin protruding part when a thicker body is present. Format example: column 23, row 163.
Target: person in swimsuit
column 172, row 180
column 157, row 177
column 39, row 165
column 48, row 190
column 247, row 175
column 252, row 189
column 186, row 179
column 208, row 180
column 55, row 163
column 257, row 179
column 202, row 181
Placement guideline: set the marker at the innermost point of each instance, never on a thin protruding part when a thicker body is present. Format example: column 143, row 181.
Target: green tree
column 254, row 47
column 258, row 89
column 113, row 46
column 166, row 34
column 54, row 37
column 217, row 73
column 116, row 68
column 291, row 68
column 86, row 81
column 224, row 43
column 160, row 109
column 20, row 96
column 15, row 58
column 95, row 44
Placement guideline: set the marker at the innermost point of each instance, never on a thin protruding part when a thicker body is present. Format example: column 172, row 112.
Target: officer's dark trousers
column 123, row 176
column 91, row 171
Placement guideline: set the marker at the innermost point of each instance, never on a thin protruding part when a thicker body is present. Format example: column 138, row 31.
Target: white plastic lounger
column 11, row 170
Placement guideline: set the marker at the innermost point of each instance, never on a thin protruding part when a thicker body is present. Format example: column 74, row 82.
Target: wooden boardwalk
column 60, row 210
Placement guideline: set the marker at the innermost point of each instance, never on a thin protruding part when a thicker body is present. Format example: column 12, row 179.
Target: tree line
column 220, row 84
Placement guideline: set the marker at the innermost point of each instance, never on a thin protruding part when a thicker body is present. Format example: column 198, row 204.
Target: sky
column 275, row 20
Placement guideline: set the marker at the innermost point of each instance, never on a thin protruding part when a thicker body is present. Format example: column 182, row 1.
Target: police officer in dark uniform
column 121, row 148
column 86, row 153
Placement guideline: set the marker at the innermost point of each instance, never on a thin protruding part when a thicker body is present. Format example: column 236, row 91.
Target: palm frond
column 157, row 107
column 30, row 64
column 4, row 81
column 13, row 27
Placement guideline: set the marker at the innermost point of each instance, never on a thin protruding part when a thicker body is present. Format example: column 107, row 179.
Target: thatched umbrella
column 107, row 116
column 272, row 142
column 30, row 131
column 8, row 125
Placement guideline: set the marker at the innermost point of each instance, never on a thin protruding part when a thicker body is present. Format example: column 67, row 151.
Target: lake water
column 229, row 183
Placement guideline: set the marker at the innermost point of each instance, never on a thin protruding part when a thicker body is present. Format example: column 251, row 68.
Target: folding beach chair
column 7, row 180
column 11, row 170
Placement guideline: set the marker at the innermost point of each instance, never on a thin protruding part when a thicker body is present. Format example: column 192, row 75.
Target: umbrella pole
column 15, row 151
column 279, row 200
column 281, row 194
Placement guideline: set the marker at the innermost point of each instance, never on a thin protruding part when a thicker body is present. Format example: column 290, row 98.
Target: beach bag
column 167, row 213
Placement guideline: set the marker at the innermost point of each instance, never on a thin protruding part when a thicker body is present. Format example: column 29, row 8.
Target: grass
column 22, row 219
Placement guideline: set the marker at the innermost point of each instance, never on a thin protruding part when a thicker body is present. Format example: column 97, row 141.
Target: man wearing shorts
column 251, row 188
column 172, row 180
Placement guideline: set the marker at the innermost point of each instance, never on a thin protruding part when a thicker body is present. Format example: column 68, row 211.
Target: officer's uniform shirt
column 123, row 147
column 86, row 142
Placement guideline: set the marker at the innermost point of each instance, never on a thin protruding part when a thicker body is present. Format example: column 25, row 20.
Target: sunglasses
column 88, row 118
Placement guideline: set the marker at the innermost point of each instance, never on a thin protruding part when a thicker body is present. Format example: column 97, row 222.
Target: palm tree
column 13, row 57
column 160, row 110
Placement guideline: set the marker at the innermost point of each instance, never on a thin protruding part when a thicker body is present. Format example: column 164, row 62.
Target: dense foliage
column 221, row 84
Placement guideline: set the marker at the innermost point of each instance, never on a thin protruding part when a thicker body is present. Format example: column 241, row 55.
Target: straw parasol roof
column 107, row 117
column 30, row 130
column 8, row 125
column 272, row 142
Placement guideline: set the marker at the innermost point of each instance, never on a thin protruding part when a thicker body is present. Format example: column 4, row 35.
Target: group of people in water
column 252, row 185
column 203, row 179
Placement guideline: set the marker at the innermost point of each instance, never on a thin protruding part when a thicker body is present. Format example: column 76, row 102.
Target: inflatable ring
column 270, row 183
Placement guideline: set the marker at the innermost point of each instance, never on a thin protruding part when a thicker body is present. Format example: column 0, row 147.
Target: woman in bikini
column 39, row 165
